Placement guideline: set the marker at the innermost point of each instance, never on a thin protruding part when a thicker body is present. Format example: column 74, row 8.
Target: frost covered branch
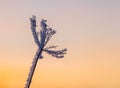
column 57, row 54
column 33, row 29
column 45, row 35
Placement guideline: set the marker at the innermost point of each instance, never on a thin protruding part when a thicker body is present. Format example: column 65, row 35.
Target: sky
column 89, row 29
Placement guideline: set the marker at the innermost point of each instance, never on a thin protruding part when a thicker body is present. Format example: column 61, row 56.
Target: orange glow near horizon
column 88, row 29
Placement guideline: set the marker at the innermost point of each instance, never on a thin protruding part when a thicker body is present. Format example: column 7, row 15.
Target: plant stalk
column 32, row 69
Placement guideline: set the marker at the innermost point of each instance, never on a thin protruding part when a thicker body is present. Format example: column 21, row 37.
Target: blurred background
column 89, row 29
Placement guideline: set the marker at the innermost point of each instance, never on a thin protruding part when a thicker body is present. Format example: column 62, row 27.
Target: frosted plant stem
column 32, row 69
column 45, row 35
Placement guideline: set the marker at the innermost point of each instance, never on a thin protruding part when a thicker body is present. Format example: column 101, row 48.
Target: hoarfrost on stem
column 45, row 35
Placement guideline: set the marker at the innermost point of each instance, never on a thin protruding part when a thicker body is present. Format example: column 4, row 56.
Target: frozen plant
column 41, row 38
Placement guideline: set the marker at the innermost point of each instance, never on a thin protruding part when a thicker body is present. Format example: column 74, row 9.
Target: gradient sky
column 90, row 29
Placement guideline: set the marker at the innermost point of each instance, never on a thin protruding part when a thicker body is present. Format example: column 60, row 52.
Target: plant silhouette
column 41, row 38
